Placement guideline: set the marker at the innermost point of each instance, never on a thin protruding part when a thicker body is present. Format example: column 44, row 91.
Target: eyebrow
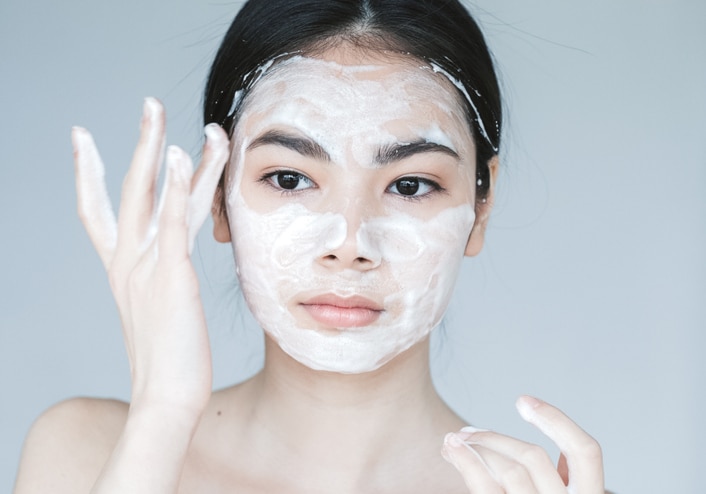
column 302, row 145
column 385, row 155
column 401, row 151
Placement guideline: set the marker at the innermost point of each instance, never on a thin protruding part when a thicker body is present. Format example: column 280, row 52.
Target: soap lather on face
column 346, row 230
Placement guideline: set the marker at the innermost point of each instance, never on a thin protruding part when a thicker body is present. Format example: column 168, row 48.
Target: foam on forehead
column 298, row 69
column 362, row 104
column 275, row 63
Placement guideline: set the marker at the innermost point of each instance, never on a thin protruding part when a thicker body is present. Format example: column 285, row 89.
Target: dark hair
column 441, row 32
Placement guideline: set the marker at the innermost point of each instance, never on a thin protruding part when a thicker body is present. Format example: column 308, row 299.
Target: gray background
column 591, row 290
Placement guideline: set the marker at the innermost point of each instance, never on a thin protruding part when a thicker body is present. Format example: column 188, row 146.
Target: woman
column 351, row 162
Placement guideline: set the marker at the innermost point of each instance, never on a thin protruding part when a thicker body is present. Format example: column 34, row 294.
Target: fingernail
column 173, row 153
column 78, row 135
column 452, row 439
column 470, row 429
column 531, row 401
column 150, row 108
column 526, row 406
column 445, row 449
column 212, row 133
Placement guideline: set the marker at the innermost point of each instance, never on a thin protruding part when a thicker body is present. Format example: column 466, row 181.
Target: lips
column 337, row 312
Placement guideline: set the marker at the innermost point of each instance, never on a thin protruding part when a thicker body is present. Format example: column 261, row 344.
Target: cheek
column 287, row 238
column 277, row 254
column 422, row 259
column 286, row 244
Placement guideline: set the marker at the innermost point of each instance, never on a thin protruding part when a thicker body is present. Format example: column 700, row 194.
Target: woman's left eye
column 413, row 187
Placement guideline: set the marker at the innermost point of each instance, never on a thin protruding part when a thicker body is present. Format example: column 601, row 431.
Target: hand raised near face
column 146, row 253
column 492, row 463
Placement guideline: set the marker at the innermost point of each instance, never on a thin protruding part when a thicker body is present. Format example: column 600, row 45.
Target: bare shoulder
column 68, row 445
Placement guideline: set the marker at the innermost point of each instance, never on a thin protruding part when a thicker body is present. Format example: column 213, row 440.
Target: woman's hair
column 439, row 32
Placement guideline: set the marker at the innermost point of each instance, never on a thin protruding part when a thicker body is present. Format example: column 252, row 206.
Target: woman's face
column 350, row 199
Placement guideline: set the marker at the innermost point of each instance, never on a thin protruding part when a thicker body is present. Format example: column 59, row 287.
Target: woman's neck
column 400, row 388
column 344, row 428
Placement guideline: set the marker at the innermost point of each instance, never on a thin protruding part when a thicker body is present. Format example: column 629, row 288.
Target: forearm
column 146, row 252
column 150, row 454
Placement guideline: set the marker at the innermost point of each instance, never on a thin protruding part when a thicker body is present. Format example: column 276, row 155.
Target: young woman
column 351, row 161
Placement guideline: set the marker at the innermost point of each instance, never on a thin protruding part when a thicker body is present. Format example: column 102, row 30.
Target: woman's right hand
column 146, row 253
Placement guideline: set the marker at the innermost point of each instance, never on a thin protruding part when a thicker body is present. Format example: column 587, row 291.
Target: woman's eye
column 413, row 187
column 289, row 181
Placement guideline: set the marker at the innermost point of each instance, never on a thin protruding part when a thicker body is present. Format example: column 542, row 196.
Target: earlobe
column 483, row 209
column 221, row 230
column 221, row 227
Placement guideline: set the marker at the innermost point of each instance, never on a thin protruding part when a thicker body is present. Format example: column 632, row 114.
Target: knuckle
column 173, row 217
column 115, row 279
column 138, row 277
column 590, row 449
column 534, row 455
column 173, row 234
column 515, row 474
column 174, row 212
column 126, row 278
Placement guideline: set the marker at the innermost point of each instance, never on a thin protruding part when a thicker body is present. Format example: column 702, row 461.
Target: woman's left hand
column 492, row 463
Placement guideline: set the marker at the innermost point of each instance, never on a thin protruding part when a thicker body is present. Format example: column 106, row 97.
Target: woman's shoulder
column 82, row 419
column 68, row 445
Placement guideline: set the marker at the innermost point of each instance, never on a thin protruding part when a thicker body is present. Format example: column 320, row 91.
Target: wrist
column 178, row 402
column 163, row 415
column 150, row 455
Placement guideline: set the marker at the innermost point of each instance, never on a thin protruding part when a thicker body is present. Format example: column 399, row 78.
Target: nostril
column 330, row 257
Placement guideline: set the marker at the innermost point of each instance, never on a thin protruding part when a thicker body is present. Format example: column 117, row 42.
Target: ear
column 221, row 227
column 483, row 209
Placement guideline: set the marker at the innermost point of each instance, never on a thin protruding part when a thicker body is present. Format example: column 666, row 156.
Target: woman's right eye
column 288, row 181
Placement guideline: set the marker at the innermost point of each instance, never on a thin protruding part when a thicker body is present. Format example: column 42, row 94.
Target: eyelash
column 433, row 186
column 267, row 179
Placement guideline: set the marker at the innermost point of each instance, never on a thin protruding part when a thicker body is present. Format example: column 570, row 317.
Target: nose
column 356, row 251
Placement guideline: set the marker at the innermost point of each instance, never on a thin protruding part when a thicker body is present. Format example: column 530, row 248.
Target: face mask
column 342, row 278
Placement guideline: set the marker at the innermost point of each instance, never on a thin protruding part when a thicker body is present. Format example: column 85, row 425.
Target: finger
column 215, row 156
column 476, row 474
column 511, row 475
column 533, row 459
column 173, row 231
column 94, row 207
column 583, row 454
column 137, row 203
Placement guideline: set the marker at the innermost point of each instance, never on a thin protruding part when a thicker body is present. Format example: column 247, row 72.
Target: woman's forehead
column 315, row 78
column 395, row 99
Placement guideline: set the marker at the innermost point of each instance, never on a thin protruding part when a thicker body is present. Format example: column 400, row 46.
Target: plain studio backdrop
column 590, row 292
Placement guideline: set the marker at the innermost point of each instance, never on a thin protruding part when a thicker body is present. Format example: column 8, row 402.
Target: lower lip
column 332, row 316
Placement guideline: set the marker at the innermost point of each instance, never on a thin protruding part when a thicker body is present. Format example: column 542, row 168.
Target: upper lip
column 354, row 302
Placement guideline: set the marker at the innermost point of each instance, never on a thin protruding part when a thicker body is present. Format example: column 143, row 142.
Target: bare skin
column 288, row 429
column 297, row 440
